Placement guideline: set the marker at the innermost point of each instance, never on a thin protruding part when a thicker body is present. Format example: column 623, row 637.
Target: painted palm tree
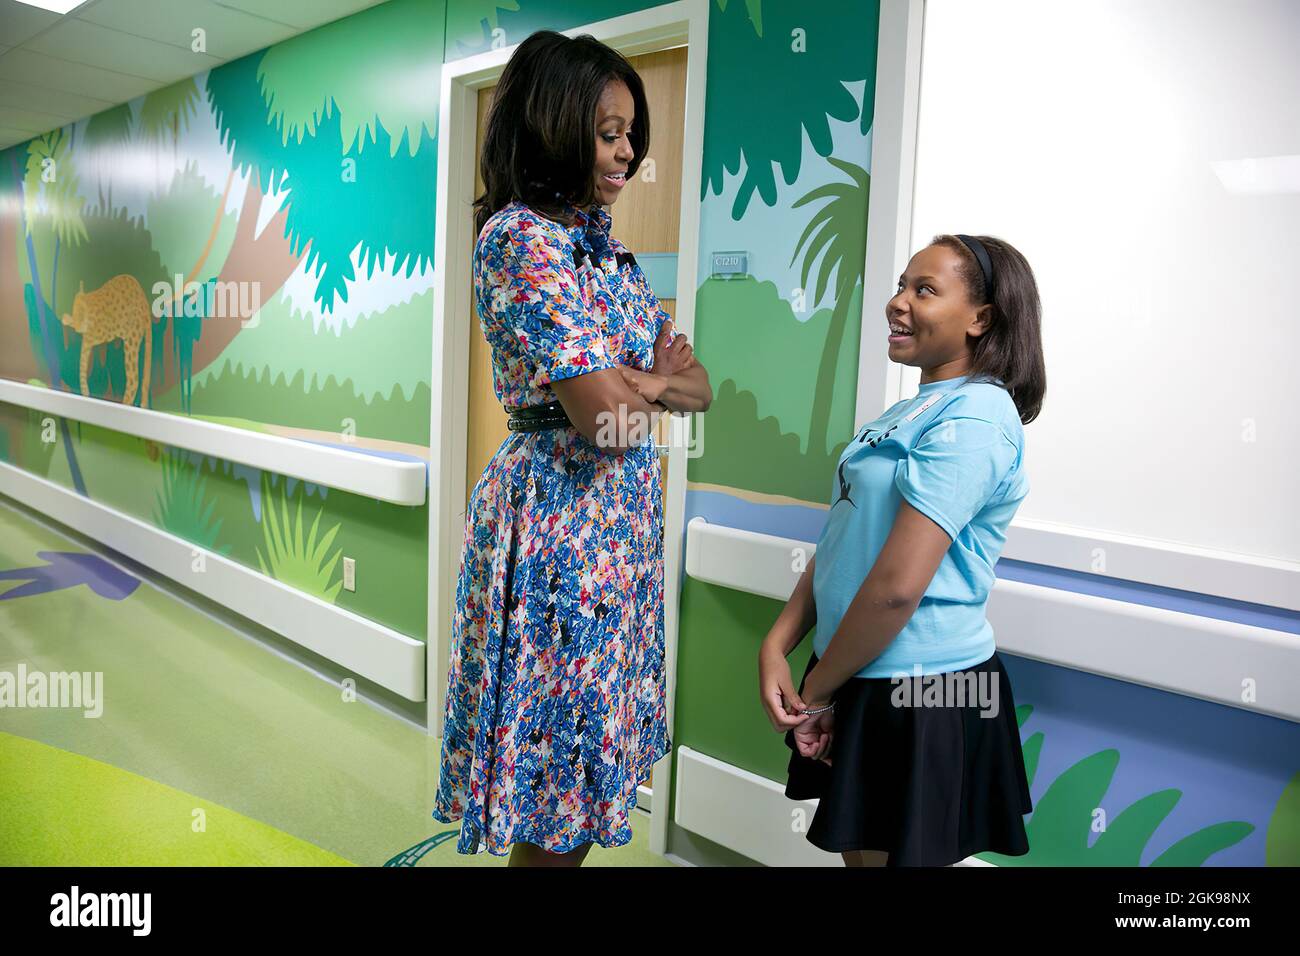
column 298, row 116
column 471, row 23
column 302, row 112
column 841, row 241
column 163, row 115
column 52, row 180
column 50, row 190
column 795, row 84
column 105, row 133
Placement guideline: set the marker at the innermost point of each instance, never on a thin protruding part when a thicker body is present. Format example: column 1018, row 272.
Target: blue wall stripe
column 1151, row 595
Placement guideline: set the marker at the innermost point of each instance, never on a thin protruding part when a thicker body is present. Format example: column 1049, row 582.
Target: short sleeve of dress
column 534, row 289
column 953, row 470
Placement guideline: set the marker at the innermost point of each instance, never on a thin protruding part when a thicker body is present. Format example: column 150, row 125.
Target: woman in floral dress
column 555, row 707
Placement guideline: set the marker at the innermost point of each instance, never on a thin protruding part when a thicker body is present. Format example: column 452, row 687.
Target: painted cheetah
column 116, row 310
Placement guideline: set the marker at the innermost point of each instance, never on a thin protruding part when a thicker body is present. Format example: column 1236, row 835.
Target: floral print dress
column 555, row 706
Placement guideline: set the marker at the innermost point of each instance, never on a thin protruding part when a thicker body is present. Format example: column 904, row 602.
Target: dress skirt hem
column 472, row 840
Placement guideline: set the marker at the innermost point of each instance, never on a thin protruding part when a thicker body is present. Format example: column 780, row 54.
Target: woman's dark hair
column 541, row 130
column 1012, row 347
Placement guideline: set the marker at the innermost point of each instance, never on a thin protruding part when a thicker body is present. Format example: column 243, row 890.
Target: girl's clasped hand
column 813, row 736
column 784, row 707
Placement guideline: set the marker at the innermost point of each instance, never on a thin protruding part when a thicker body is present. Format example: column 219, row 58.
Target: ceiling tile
column 28, row 67
column 83, row 42
column 54, row 69
column 43, row 99
column 19, row 22
column 230, row 33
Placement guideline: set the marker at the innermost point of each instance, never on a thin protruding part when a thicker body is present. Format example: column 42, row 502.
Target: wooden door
column 487, row 419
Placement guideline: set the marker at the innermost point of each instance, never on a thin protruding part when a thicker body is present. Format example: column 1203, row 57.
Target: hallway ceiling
column 56, row 69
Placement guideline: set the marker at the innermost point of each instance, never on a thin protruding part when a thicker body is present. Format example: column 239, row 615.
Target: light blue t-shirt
column 954, row 451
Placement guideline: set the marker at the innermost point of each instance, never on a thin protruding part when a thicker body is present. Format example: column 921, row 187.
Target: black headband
column 986, row 264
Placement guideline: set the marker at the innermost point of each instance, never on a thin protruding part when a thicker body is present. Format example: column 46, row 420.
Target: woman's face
column 614, row 118
column 932, row 306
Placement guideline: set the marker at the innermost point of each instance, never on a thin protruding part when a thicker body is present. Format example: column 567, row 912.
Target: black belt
column 532, row 418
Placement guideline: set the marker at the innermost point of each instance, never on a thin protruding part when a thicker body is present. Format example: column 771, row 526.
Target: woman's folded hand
column 649, row 385
column 671, row 357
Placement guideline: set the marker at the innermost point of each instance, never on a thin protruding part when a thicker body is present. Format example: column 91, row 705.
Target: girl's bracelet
column 818, row 710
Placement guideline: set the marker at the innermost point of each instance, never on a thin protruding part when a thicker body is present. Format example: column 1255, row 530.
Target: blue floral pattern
column 555, row 709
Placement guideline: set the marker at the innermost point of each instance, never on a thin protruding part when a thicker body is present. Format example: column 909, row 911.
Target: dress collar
column 584, row 221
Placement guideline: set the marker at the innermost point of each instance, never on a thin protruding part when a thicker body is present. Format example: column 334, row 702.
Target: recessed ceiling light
column 55, row 6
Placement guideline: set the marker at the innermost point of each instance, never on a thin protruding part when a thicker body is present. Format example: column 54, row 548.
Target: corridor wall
column 276, row 214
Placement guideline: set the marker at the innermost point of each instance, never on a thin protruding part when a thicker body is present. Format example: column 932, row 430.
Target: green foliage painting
column 765, row 393
column 1283, row 844
column 795, row 61
column 183, row 507
column 841, row 242
column 1068, row 813
column 313, row 117
column 301, row 561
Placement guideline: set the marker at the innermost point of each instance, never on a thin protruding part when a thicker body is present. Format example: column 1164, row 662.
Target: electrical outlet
column 349, row 574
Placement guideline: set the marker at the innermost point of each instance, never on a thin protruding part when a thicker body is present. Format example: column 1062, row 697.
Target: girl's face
column 933, row 315
column 614, row 117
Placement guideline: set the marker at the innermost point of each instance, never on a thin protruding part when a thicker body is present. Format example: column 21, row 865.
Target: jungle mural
column 250, row 246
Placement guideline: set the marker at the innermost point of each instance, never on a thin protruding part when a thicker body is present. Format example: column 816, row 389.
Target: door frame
column 670, row 25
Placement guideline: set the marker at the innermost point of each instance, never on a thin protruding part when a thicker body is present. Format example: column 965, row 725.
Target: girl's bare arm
column 797, row 618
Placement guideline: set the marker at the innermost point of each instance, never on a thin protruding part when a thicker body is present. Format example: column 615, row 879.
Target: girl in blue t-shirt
column 904, row 724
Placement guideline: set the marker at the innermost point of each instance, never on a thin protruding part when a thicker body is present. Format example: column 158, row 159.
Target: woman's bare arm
column 688, row 390
column 607, row 412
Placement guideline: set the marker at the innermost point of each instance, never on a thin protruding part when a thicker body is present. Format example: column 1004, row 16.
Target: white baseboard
column 378, row 653
column 749, row 814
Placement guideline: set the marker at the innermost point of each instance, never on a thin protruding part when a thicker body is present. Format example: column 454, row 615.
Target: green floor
column 210, row 750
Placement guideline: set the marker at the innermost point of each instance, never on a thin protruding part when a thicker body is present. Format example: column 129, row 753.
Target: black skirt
column 929, row 785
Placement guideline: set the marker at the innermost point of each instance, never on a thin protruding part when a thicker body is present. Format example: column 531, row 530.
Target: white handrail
column 1185, row 653
column 386, row 479
column 745, row 560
